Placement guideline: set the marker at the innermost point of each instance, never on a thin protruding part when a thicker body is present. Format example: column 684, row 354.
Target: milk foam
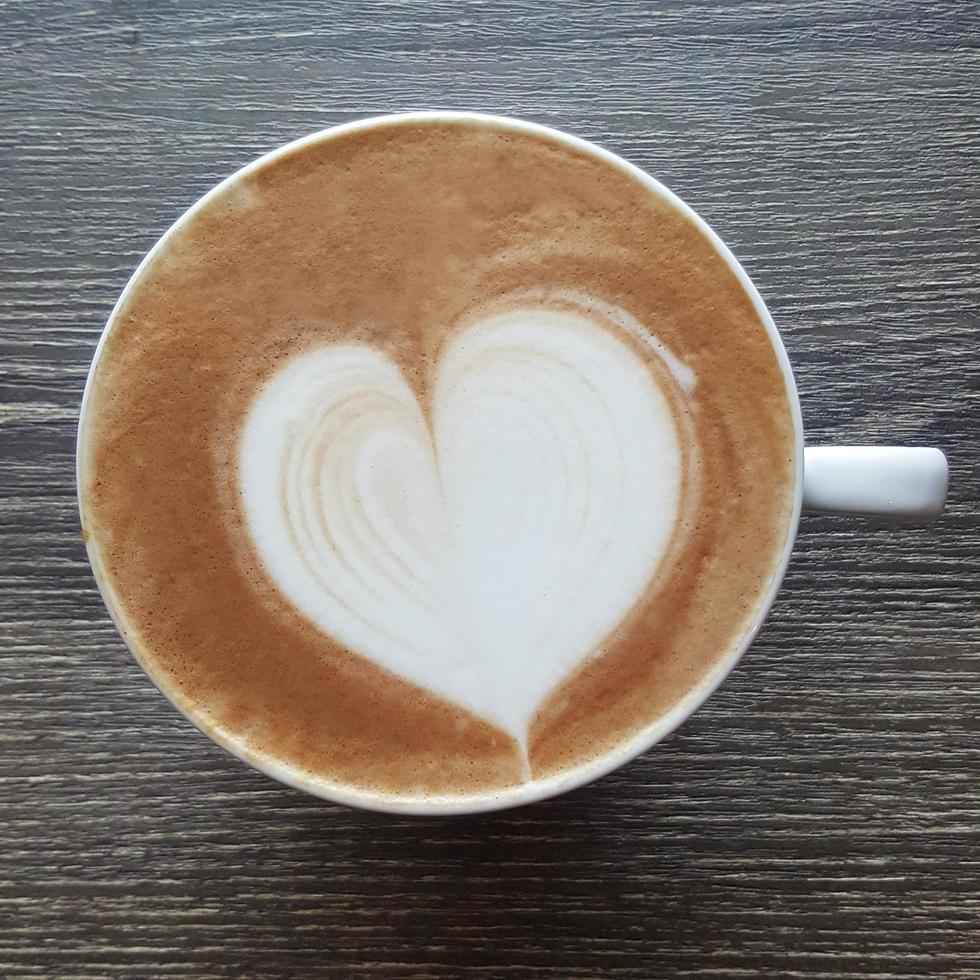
column 480, row 546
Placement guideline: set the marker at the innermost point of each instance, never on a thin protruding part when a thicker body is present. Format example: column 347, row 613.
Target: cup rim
column 525, row 793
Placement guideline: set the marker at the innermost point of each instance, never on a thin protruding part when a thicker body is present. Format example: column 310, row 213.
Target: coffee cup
column 406, row 488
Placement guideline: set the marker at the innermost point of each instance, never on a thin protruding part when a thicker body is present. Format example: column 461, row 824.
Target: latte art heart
column 483, row 544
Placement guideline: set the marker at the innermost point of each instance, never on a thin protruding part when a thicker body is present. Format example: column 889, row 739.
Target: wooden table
column 819, row 817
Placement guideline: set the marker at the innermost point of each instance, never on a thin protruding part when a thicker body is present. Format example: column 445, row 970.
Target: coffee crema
column 435, row 457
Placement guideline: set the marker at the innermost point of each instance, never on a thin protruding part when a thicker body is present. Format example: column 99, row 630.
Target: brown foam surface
column 390, row 237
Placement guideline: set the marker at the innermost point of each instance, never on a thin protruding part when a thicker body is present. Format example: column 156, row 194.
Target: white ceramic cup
column 887, row 481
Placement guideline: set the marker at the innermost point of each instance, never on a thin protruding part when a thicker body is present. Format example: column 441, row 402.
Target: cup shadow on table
column 568, row 871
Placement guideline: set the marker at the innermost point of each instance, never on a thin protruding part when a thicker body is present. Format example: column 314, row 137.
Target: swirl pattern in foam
column 484, row 543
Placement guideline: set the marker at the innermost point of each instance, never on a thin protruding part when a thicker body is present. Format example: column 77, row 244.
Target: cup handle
column 887, row 481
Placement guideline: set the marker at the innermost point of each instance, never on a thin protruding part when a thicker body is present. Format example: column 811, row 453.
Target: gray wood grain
column 819, row 817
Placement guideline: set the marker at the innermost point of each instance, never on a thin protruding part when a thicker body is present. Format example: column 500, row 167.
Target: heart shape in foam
column 481, row 547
